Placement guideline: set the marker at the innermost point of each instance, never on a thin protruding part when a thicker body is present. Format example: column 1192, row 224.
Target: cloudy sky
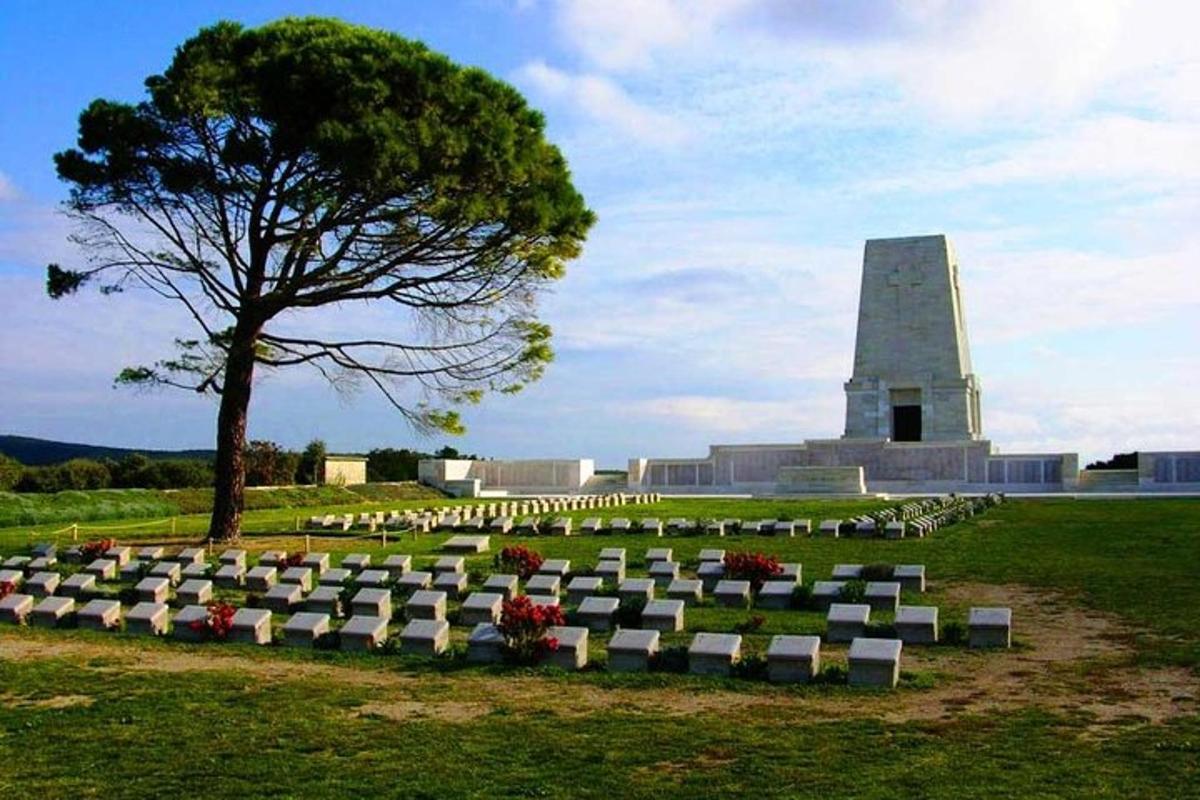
column 737, row 152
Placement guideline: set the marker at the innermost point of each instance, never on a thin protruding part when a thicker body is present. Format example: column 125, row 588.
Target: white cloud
column 722, row 416
column 599, row 99
column 8, row 190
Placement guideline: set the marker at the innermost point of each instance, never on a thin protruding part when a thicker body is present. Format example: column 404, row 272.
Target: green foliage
column 629, row 612
column 953, row 633
column 802, row 596
column 10, row 473
column 853, row 592
column 877, row 572
column 312, row 463
column 75, row 475
column 268, row 464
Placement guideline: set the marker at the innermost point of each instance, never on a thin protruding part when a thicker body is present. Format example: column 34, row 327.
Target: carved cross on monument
column 906, row 276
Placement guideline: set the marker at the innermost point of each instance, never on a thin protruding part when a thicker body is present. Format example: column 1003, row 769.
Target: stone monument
column 912, row 378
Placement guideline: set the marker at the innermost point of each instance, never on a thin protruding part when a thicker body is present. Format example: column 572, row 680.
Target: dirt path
column 1072, row 660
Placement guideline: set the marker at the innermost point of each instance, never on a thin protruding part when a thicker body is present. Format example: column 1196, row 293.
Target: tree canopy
column 311, row 163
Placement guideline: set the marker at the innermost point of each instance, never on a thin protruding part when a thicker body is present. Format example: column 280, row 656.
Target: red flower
column 97, row 548
column 7, row 588
column 754, row 567
column 521, row 560
column 524, row 626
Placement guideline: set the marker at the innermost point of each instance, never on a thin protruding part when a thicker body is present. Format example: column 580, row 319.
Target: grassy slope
column 229, row 735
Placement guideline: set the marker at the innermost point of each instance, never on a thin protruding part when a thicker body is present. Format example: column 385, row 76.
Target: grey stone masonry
column 425, row 604
column 917, row 624
column 711, row 555
column 504, row 585
column 750, row 526
column 591, row 525
column 655, row 554
column 190, row 555
column 232, row 576
column 636, row 587
column 133, row 571
column 561, row 526
column 148, row 619
column 803, row 526
column 652, row 526
column 612, row 554
column 543, row 584
column 195, row 570
column 336, row 576
column 883, row 595
column 103, row 568
column 372, row 577
column 555, row 566
column 481, row 607
column 425, row 637
column 689, row 590
column 42, row 584
column 783, row 527
column 304, row 628
column 356, row 561
column 501, row 525
column 364, row 633
column 663, row 572
column 52, row 611
column 714, row 653
column 596, row 613
column 830, row 528
column 453, row 584
column 793, row 659
column 325, row 600
column 485, row 644
column 847, row 572
column 663, row 615
column 846, row 621
column 15, row 608
column 715, row 527
column 272, row 558
column 582, row 586
column 875, row 662
column 826, row 592
column 611, row 572
column 372, row 603
column 151, row 553
column 791, row 572
column 680, row 525
column 283, row 598
column 572, row 652
column 16, row 563
column 544, row 600
column 100, row 615
column 121, row 554
column 910, row 576
column 449, row 564
column 261, row 579
column 467, row 544
column 413, row 581
column 894, row 529
column 989, row 627
column 632, row 650
column 775, row 595
column 233, row 557
column 251, row 626
column 317, row 562
column 181, row 626
column 42, row 563
column 620, row 525
column 153, row 590
column 195, row 592
column 397, row 565
column 301, row 576
column 78, row 585
column 711, row 573
column 733, row 594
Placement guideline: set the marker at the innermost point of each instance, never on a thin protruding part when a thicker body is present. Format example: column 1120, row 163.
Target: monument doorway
column 906, row 423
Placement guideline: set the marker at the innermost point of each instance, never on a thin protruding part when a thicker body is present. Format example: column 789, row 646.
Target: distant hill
column 35, row 452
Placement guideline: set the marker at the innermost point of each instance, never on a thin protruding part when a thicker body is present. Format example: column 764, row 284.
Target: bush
column 853, row 592
column 877, row 572
column 524, row 627
column 754, row 567
column 519, row 560
column 751, row 667
column 802, row 597
column 671, row 659
column 880, row 630
column 10, row 473
column 750, row 625
column 832, row 675
column 953, row 633
column 629, row 612
column 76, row 474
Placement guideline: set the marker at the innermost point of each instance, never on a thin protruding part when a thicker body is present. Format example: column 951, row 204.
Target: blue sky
column 737, row 152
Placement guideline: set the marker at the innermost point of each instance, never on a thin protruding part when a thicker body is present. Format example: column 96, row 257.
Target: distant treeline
column 267, row 464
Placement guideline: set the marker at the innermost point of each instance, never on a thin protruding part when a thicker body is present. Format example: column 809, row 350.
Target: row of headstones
column 929, row 513
column 428, row 519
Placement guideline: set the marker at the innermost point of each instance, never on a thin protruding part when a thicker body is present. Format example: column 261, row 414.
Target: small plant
column 802, row 597
column 832, row 675
column 754, row 567
column 671, row 659
column 293, row 560
column 750, row 625
column 97, row 548
column 218, row 623
column 752, row 667
column 524, row 626
column 853, row 592
column 520, row 560
column 128, row 596
column 880, row 630
column 877, row 572
column 629, row 612
column 7, row 588
column 954, row 633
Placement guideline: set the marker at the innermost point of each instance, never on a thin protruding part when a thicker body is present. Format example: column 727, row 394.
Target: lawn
column 1098, row 698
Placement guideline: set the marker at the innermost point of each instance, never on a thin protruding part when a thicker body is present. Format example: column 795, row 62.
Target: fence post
column 173, row 519
column 384, row 538
column 75, row 532
column 307, row 543
column 210, row 547
column 297, row 524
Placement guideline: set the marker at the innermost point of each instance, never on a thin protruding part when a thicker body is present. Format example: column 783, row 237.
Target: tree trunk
column 230, row 487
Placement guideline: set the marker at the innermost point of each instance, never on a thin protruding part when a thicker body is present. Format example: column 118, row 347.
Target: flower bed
column 757, row 568
column 519, row 560
column 524, row 627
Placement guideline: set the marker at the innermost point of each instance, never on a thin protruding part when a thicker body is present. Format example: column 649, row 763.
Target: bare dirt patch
column 1070, row 659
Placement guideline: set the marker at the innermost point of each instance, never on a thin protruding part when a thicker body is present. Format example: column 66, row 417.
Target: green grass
column 226, row 730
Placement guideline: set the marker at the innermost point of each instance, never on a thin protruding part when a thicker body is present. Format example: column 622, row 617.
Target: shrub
column 671, row 659
column 524, row 627
column 752, row 667
column 880, row 630
column 10, row 473
column 629, row 612
column 953, row 633
column 853, row 592
column 96, row 548
column 750, row 625
column 7, row 588
column 802, row 597
column 218, row 623
column 520, row 560
column 128, row 596
column 877, row 572
column 754, row 567
column 831, row 675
